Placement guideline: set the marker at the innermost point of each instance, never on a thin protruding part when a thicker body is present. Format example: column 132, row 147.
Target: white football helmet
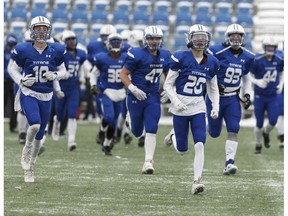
column 40, row 35
column 125, row 35
column 136, row 38
column 234, row 41
column 153, row 32
column 114, row 42
column 67, row 34
column 198, row 37
column 27, row 37
column 269, row 45
column 106, row 30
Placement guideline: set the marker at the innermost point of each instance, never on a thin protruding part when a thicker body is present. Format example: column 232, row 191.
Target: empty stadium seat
column 100, row 5
column 20, row 4
column 184, row 7
column 246, row 20
column 143, row 6
column 37, row 12
column 183, row 19
column 62, row 4
column 181, row 30
column 123, row 5
column 203, row 19
column 59, row 27
column 59, row 15
column 79, row 16
column 203, row 7
column 223, row 7
column 79, row 28
column 139, row 18
column 120, row 17
column 40, row 4
column 18, row 27
column 99, row 17
column 81, row 5
column 180, row 44
column 162, row 6
column 18, row 14
column 244, row 7
column 222, row 19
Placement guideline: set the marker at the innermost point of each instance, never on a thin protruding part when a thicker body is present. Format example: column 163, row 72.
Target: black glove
column 221, row 88
column 94, row 90
column 247, row 101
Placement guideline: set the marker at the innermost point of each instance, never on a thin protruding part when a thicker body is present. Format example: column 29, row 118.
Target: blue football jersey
column 193, row 76
column 146, row 68
column 32, row 62
column 269, row 71
column 109, row 70
column 232, row 68
column 72, row 64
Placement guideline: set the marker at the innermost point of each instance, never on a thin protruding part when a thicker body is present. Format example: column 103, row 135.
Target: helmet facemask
column 198, row 40
column 114, row 44
column 236, row 40
column 153, row 43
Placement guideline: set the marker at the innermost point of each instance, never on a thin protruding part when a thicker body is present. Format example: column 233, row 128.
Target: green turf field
column 86, row 182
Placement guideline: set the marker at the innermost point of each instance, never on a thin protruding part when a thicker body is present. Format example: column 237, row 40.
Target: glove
column 181, row 107
column 94, row 90
column 214, row 113
column 221, row 89
column 50, row 75
column 261, row 83
column 60, row 94
column 164, row 97
column 279, row 88
column 66, row 76
column 247, row 101
column 28, row 80
column 138, row 93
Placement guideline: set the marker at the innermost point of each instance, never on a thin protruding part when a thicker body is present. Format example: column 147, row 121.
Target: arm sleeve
column 169, row 86
column 56, row 85
column 94, row 74
column 247, row 88
column 15, row 71
column 213, row 92
column 61, row 71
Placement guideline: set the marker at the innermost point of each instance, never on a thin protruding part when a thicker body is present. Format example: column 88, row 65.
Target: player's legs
column 136, row 113
column 232, row 117
column 280, row 121
column 214, row 125
column 181, row 129
column 198, row 129
column 60, row 110
column 273, row 113
column 72, row 107
column 22, row 127
column 259, row 111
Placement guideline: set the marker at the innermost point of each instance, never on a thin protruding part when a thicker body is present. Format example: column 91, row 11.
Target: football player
column 141, row 75
column 267, row 71
column 105, row 81
column 33, row 67
column 235, row 62
column 184, row 85
column 68, row 105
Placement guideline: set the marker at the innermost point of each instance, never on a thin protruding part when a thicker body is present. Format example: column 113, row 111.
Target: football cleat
column 197, row 187
column 72, row 146
column 258, row 149
column 107, row 150
column 29, row 175
column 127, row 138
column 22, row 138
column 148, row 167
column 26, row 157
column 230, row 169
column 141, row 141
column 100, row 137
column 266, row 140
column 168, row 139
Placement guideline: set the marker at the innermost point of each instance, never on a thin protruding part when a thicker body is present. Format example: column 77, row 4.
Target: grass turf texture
column 86, row 182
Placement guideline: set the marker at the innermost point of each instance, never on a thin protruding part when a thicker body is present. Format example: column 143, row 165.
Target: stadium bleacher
column 254, row 15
